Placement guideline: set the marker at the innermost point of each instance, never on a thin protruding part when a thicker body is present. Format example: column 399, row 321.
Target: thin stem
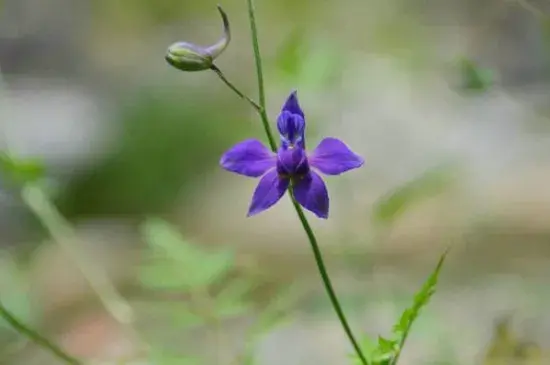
column 37, row 338
column 326, row 279
column 60, row 230
column 305, row 224
column 234, row 88
column 260, row 75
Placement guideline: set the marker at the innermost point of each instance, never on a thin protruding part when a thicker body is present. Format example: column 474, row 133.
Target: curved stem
column 305, row 224
column 37, row 338
column 234, row 88
column 260, row 75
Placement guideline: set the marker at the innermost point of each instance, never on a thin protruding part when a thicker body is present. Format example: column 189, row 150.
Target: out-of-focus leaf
column 13, row 290
column 21, row 170
column 178, row 264
column 229, row 302
column 273, row 315
column 391, row 206
column 163, row 357
column 291, row 53
column 473, row 77
column 308, row 64
column 176, row 312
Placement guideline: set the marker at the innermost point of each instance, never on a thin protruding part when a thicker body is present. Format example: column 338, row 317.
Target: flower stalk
column 37, row 337
column 303, row 220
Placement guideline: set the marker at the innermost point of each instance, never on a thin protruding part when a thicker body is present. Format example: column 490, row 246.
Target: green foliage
column 177, row 266
column 391, row 206
column 386, row 351
column 13, row 290
column 20, row 170
column 309, row 64
column 474, row 78
column 162, row 357
column 169, row 139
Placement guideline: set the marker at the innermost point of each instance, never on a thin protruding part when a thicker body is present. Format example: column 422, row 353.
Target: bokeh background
column 447, row 100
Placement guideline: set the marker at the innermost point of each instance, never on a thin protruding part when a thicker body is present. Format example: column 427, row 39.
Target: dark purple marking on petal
column 249, row 158
column 291, row 128
column 292, row 161
column 311, row 192
column 269, row 191
column 333, row 157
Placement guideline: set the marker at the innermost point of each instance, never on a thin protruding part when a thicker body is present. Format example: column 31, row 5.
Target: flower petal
column 292, row 106
column 312, row 194
column 269, row 191
column 333, row 157
column 291, row 129
column 249, row 158
column 292, row 161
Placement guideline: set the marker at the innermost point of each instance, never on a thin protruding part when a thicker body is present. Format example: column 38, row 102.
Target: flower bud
column 187, row 56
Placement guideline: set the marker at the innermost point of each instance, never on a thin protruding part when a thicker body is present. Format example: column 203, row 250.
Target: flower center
column 292, row 162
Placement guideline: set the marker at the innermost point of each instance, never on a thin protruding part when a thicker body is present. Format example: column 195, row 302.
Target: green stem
column 61, row 232
column 326, row 279
column 305, row 224
column 37, row 338
column 234, row 88
column 260, row 75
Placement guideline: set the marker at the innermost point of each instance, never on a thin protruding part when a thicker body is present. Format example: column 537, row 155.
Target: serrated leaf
column 187, row 267
column 422, row 297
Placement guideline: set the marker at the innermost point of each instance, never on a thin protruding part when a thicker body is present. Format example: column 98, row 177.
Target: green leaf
column 403, row 326
column 14, row 290
column 230, row 301
column 473, row 77
column 179, row 265
column 176, row 312
column 163, row 357
column 291, row 53
column 391, row 206
column 21, row 170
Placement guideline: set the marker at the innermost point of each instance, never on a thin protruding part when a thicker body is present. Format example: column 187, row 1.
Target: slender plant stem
column 60, row 230
column 260, row 75
column 37, row 338
column 326, row 279
column 305, row 224
column 234, row 88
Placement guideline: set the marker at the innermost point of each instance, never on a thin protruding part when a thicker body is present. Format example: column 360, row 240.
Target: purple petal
column 292, row 106
column 292, row 161
column 291, row 128
column 269, row 191
column 312, row 194
column 249, row 158
column 333, row 157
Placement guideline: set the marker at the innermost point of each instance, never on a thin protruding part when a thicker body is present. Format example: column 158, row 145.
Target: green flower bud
column 187, row 56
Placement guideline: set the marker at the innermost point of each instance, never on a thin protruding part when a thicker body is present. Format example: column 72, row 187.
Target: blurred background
column 447, row 100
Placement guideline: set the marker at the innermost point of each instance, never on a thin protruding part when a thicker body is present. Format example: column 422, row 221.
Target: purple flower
column 291, row 167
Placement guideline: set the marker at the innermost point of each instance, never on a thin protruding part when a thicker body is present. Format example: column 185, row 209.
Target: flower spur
column 291, row 167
